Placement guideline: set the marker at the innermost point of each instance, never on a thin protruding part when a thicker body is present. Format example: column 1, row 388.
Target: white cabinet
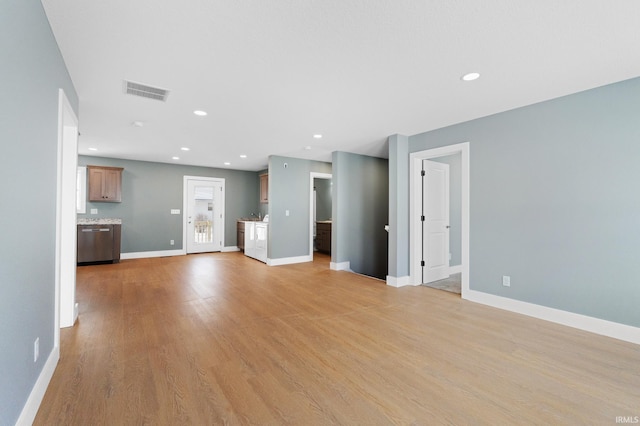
column 262, row 230
column 255, row 240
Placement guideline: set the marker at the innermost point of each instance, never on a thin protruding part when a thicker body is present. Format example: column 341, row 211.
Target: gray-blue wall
column 289, row 189
column 554, row 201
column 149, row 192
column 360, row 212
column 32, row 72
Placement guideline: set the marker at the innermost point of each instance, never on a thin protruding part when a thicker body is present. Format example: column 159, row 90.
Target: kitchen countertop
column 324, row 221
column 100, row 221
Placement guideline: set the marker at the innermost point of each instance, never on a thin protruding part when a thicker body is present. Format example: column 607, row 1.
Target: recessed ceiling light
column 308, row 148
column 317, row 136
column 243, row 156
column 175, row 158
column 199, row 113
column 184, row 148
column 137, row 124
column 226, row 163
column 471, row 76
column 93, row 149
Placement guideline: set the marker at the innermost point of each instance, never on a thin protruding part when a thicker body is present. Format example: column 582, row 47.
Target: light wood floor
column 223, row 339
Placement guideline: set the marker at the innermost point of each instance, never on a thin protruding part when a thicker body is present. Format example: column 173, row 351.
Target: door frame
column 66, row 309
column 415, row 201
column 312, row 176
column 185, row 201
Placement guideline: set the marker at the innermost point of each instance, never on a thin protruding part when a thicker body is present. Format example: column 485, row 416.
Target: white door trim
column 415, row 199
column 312, row 176
column 66, row 310
column 185, row 201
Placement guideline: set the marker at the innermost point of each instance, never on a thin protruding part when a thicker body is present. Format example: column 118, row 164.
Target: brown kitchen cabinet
column 240, row 235
column 105, row 184
column 264, row 189
column 323, row 236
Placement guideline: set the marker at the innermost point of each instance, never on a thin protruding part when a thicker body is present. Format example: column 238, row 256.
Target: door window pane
column 204, row 207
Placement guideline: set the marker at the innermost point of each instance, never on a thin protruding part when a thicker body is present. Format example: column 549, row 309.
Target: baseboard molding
column 289, row 260
column 229, row 249
column 146, row 254
column 398, row 281
column 32, row 405
column 457, row 269
column 615, row 330
column 340, row 266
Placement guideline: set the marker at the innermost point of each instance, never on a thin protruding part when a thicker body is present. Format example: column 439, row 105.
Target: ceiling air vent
column 137, row 89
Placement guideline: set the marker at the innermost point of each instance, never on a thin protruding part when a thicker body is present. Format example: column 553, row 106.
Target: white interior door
column 435, row 219
column 204, row 214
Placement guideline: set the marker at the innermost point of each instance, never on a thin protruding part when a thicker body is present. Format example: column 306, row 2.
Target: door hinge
column 422, row 173
column 422, row 263
column 422, row 218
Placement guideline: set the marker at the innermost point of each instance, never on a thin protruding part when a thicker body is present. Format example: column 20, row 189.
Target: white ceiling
column 271, row 74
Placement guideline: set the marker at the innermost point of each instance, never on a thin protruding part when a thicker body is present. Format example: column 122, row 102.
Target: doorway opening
column 203, row 205
column 320, row 216
column 456, row 257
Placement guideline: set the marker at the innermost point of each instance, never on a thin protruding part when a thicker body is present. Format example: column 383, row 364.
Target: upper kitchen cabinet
column 264, row 189
column 105, row 184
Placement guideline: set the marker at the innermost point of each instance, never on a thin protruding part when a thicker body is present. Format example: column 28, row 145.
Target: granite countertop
column 100, row 221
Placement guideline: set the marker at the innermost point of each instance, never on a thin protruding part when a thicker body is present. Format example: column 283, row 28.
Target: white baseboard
column 398, row 281
column 457, row 269
column 340, row 266
column 229, row 248
column 289, row 260
column 32, row 405
column 570, row 319
column 146, row 254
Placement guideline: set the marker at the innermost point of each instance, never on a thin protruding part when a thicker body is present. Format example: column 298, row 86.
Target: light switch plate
column 175, row 211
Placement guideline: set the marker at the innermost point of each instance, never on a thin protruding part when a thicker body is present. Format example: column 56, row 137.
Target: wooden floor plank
column 223, row 339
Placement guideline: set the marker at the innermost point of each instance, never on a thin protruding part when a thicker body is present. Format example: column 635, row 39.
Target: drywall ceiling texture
column 273, row 74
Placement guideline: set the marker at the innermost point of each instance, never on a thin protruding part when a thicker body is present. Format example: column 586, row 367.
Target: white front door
column 435, row 220
column 204, row 214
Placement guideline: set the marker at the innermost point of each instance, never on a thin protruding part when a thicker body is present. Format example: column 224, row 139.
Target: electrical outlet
column 506, row 280
column 36, row 349
column 286, row 212
column 171, row 242
column 94, row 211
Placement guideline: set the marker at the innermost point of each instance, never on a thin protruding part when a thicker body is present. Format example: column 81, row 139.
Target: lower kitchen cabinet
column 99, row 243
column 240, row 234
column 323, row 236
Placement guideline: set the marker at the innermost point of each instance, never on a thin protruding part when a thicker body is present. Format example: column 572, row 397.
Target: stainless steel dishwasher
column 95, row 243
